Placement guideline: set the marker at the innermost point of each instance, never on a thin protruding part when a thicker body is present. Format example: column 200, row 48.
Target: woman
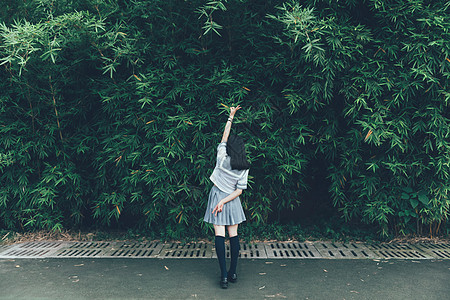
column 224, row 206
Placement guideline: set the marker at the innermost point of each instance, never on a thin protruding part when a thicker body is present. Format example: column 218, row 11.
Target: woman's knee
column 219, row 230
column 232, row 230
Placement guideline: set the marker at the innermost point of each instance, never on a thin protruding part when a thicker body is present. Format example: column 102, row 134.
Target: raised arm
column 226, row 132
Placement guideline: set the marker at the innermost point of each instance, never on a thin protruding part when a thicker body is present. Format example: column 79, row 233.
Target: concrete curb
column 205, row 250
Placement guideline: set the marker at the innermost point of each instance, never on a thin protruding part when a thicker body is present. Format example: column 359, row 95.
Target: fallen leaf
column 166, row 268
column 17, row 266
column 262, row 287
column 325, row 271
column 368, row 134
column 4, row 237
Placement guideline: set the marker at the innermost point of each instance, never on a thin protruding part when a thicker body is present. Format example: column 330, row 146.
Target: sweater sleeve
column 221, row 151
column 242, row 182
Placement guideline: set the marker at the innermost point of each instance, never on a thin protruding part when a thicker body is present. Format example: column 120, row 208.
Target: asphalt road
column 198, row 279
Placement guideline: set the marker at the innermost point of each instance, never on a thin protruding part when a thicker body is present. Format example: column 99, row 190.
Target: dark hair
column 236, row 150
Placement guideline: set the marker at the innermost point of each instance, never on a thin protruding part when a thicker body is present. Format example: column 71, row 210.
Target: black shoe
column 224, row 283
column 232, row 278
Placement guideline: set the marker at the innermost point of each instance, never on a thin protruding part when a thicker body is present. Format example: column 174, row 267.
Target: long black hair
column 236, row 150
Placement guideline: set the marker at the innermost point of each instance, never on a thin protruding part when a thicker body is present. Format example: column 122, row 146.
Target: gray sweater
column 226, row 179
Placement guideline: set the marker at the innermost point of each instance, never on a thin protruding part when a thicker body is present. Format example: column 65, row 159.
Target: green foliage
column 110, row 111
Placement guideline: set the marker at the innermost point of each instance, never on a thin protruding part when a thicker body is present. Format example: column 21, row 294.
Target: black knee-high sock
column 220, row 251
column 234, row 249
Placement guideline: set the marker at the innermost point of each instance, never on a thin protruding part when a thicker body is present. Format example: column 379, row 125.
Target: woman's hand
column 233, row 110
column 218, row 208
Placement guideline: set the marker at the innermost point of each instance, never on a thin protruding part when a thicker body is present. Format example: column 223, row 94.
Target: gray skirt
column 231, row 214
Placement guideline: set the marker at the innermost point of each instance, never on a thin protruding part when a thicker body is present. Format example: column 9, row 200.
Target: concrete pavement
column 122, row 278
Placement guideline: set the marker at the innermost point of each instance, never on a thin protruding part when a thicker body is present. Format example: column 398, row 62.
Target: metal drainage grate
column 190, row 250
column 26, row 253
column 347, row 254
column 291, row 250
column 433, row 246
column 85, row 249
column 4, row 248
column 136, row 250
column 402, row 254
column 342, row 250
column 45, row 245
column 33, row 249
column 80, row 253
column 90, row 245
column 390, row 247
column 341, row 246
column 250, row 251
column 442, row 254
column 254, row 250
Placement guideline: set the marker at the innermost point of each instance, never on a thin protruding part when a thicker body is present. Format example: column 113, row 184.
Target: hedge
column 111, row 111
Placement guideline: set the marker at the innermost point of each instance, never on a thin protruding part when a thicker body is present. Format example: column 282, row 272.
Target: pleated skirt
column 231, row 214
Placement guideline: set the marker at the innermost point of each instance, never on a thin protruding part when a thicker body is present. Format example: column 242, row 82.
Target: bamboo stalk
column 54, row 106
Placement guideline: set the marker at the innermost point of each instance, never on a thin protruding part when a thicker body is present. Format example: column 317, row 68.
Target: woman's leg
column 234, row 249
column 219, row 230
column 220, row 250
column 232, row 230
